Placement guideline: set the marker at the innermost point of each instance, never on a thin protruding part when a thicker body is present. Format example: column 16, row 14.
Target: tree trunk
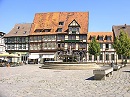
column 122, row 58
column 125, row 59
column 116, row 59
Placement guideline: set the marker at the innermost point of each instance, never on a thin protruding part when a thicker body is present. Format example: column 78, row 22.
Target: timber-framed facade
column 60, row 36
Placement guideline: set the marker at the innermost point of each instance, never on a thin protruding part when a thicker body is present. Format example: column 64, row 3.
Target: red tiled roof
column 97, row 34
column 51, row 21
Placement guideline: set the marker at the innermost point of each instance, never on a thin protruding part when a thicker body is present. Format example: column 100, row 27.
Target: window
column 107, row 46
column 62, row 45
column 31, row 47
column 95, row 57
column 38, row 46
column 112, row 57
column 101, row 46
column 69, row 37
column 74, row 29
column 12, row 47
column 39, row 38
column 108, row 38
column 13, row 40
column 119, row 56
column 15, row 32
column 107, row 56
column 23, row 39
column 77, row 29
column 19, row 46
column 60, row 37
column 82, row 37
column 72, row 37
column 44, row 45
column 24, row 32
column 73, row 45
column 24, row 46
column 38, row 30
column 58, row 45
column 53, row 37
column 35, row 38
column 70, row 28
column 61, row 23
column 19, row 39
column 5, row 39
column 31, row 38
column 48, row 37
column 59, row 30
column 44, row 38
column 100, row 38
column 92, row 37
column 47, row 30
column 90, row 57
column 100, row 57
column 82, row 46
column 18, row 27
column 49, row 45
column 35, row 46
column 8, row 47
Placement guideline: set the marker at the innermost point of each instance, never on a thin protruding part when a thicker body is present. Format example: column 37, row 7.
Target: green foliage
column 122, row 44
column 94, row 47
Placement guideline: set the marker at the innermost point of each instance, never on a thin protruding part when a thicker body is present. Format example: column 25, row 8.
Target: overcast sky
column 102, row 13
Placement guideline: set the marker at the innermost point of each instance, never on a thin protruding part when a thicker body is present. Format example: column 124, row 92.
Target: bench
column 122, row 65
column 101, row 74
column 116, row 67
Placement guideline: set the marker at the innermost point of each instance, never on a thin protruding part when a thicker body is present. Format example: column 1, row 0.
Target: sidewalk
column 31, row 81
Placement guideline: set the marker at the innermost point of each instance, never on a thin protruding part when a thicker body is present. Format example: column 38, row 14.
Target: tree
column 122, row 44
column 94, row 47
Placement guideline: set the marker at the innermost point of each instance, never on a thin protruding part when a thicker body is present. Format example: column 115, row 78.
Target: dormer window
column 100, row 38
column 15, row 32
column 108, row 38
column 39, row 30
column 59, row 30
column 24, row 32
column 61, row 23
column 74, row 27
column 92, row 37
column 18, row 27
column 46, row 30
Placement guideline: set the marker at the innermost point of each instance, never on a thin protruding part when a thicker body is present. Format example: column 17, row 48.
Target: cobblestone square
column 31, row 81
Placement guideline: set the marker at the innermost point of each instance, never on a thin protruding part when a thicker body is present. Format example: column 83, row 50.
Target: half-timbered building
column 17, row 41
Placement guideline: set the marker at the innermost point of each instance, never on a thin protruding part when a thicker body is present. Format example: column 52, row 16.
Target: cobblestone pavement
column 31, row 81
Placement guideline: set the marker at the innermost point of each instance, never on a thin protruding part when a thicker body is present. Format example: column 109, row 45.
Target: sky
column 103, row 14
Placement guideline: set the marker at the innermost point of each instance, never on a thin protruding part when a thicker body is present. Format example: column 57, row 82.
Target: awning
column 1, row 58
column 33, row 56
column 14, row 56
column 5, row 54
column 48, row 56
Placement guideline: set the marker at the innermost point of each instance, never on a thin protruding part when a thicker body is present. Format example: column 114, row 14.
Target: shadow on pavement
column 127, row 71
column 90, row 78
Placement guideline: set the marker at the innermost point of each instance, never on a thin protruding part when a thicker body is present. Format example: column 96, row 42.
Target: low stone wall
column 101, row 74
column 69, row 63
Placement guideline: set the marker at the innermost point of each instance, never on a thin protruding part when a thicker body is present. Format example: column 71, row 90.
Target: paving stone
column 30, row 81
